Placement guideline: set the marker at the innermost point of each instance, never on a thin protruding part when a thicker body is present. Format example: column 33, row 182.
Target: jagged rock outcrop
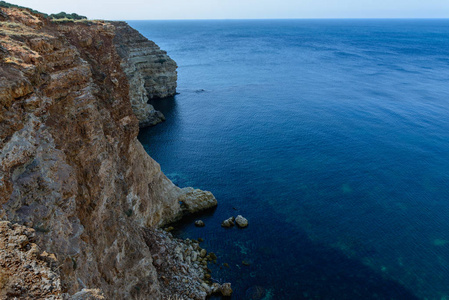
column 194, row 200
column 71, row 166
column 150, row 71
column 25, row 271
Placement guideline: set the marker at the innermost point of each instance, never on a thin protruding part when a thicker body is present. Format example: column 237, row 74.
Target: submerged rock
column 241, row 221
column 256, row 292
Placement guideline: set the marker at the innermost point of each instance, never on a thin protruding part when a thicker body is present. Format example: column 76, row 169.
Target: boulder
column 226, row 289
column 199, row 223
column 241, row 221
column 228, row 222
column 195, row 200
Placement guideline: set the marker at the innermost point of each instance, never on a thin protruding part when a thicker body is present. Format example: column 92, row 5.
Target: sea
column 330, row 136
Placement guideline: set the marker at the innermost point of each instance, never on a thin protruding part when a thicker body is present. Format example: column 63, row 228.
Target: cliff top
column 61, row 15
column 21, row 27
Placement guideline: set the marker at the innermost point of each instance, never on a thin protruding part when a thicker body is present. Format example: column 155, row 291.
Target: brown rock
column 226, row 289
column 72, row 168
column 228, row 222
column 24, row 275
column 195, row 200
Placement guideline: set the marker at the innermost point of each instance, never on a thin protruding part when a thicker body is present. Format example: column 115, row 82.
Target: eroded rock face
column 25, row 271
column 150, row 71
column 71, row 166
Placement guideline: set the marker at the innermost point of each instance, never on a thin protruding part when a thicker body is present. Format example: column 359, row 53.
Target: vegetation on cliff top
column 61, row 15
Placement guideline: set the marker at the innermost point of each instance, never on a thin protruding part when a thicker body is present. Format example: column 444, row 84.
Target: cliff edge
column 73, row 175
column 150, row 71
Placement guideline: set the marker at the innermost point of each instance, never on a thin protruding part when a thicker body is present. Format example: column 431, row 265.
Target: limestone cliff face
column 71, row 166
column 151, row 72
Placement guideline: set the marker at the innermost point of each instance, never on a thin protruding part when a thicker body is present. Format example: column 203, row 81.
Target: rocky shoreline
column 81, row 202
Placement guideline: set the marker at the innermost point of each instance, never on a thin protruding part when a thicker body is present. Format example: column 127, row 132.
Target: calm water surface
column 330, row 136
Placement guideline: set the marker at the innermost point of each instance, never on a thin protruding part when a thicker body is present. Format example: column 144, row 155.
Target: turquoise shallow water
column 330, row 136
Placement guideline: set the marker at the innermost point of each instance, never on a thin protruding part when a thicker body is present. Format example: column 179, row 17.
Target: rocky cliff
column 72, row 172
column 150, row 71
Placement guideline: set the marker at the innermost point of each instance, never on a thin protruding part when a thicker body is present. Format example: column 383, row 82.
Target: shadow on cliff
column 165, row 105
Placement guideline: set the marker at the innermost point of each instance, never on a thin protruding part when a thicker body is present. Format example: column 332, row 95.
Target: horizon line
column 262, row 19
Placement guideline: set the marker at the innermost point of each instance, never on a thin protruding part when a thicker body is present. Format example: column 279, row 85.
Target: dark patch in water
column 330, row 136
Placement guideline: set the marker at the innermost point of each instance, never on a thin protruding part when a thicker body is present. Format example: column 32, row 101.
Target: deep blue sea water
column 330, row 136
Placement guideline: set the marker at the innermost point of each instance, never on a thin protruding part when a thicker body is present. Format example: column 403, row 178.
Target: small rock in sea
column 228, row 222
column 226, row 265
column 199, row 223
column 226, row 289
column 244, row 262
column 203, row 252
column 200, row 240
column 241, row 221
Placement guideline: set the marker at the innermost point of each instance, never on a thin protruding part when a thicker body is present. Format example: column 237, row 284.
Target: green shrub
column 64, row 15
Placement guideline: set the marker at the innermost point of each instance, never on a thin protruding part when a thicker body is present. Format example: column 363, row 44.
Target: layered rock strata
column 150, row 71
column 71, row 167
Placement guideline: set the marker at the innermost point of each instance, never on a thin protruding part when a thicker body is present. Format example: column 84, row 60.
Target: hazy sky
column 243, row 9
